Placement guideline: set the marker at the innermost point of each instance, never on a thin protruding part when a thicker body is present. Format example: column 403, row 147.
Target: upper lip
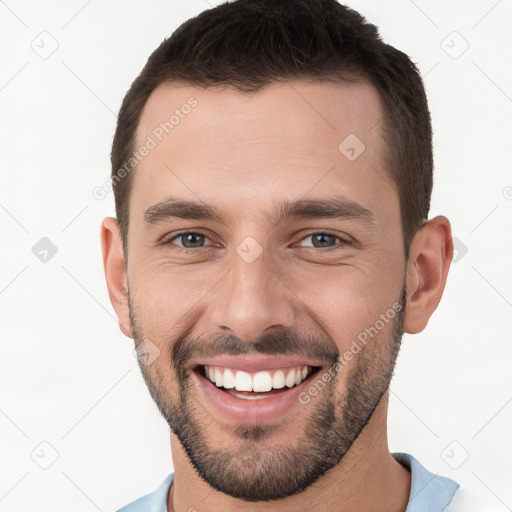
column 256, row 363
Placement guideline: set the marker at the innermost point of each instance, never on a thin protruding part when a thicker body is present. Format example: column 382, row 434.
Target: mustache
column 274, row 343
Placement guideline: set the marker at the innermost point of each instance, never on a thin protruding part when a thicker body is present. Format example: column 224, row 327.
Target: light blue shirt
column 429, row 492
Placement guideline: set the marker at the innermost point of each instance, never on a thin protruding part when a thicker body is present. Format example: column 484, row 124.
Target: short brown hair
column 248, row 44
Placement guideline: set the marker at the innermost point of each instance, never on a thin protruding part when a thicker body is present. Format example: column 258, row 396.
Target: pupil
column 193, row 240
column 321, row 238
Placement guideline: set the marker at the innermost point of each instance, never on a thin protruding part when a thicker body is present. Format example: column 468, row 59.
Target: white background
column 68, row 375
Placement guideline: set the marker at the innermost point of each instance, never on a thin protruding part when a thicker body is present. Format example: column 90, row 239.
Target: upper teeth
column 259, row 381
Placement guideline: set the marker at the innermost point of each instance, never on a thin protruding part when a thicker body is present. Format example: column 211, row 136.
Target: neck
column 367, row 461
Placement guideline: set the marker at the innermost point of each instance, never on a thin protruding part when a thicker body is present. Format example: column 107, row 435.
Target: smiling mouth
column 256, row 385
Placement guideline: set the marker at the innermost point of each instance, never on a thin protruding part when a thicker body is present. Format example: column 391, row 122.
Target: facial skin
column 245, row 155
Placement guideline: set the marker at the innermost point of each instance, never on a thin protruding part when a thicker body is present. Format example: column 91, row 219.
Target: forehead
column 245, row 151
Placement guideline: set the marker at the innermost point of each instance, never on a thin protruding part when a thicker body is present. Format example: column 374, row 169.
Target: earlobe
column 115, row 272
column 430, row 256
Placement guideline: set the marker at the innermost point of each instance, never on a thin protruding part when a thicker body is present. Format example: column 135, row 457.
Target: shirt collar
column 429, row 491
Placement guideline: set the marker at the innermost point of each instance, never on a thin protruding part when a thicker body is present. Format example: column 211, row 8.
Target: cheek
column 168, row 299
column 347, row 300
column 341, row 300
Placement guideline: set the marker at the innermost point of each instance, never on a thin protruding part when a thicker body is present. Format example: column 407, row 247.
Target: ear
column 430, row 256
column 115, row 272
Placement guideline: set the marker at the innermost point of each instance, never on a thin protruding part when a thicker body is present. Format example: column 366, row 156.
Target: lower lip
column 239, row 410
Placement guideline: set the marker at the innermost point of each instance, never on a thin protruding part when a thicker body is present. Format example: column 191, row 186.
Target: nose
column 250, row 299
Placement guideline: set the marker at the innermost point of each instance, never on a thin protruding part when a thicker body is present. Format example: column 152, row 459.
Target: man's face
column 275, row 281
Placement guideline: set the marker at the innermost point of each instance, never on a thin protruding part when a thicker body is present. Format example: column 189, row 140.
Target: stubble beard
column 259, row 469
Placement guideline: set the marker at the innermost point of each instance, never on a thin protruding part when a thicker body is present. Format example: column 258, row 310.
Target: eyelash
column 342, row 242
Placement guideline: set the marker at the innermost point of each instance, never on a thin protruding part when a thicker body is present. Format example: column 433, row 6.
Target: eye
column 189, row 240
column 324, row 239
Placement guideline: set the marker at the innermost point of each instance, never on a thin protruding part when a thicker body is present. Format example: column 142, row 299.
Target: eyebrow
column 342, row 209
